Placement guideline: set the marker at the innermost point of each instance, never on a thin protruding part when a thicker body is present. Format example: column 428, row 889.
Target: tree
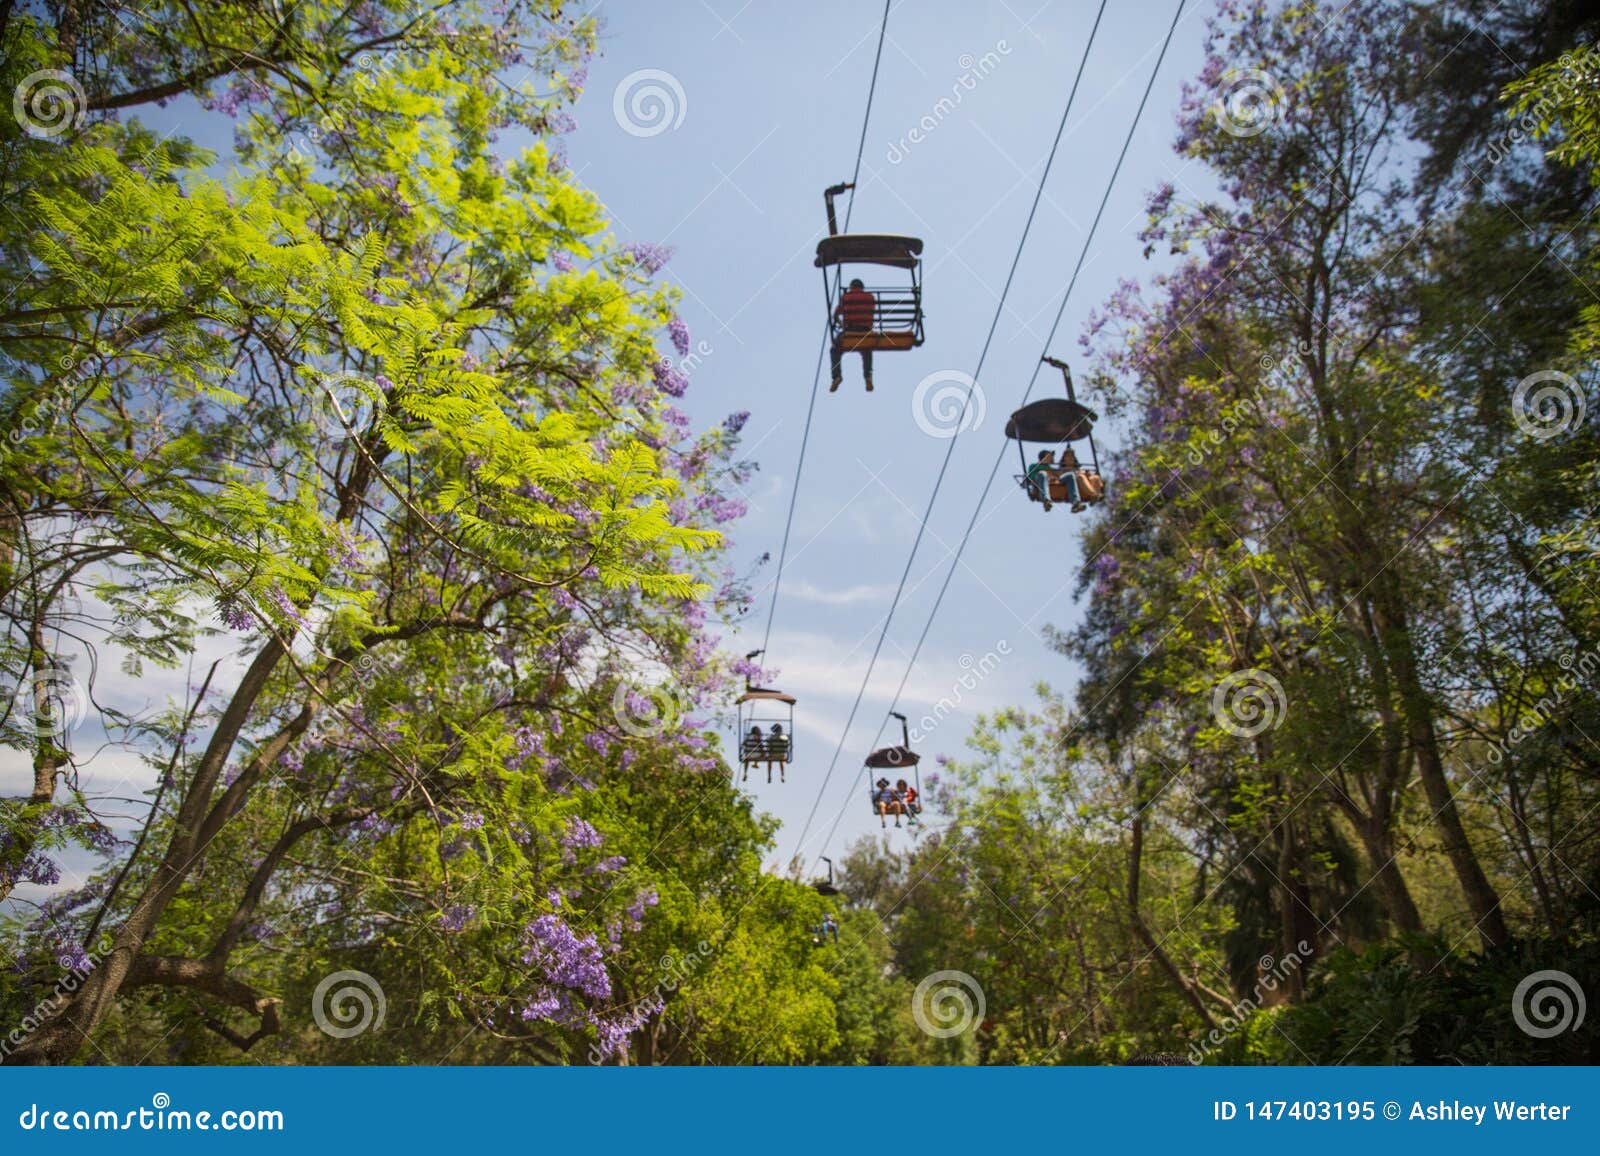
column 384, row 414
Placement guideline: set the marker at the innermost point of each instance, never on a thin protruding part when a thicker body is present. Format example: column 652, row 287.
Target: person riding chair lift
column 1051, row 479
column 777, row 751
column 908, row 800
column 830, row 926
column 888, row 803
column 751, row 751
column 855, row 313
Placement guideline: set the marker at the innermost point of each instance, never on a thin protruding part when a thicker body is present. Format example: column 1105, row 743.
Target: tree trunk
column 47, row 760
column 1482, row 899
column 1387, row 882
column 1135, row 856
column 60, row 1038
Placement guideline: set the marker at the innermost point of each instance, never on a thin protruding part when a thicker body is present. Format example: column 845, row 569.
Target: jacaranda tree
column 364, row 427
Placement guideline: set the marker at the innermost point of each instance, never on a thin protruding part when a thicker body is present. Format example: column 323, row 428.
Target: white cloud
column 847, row 596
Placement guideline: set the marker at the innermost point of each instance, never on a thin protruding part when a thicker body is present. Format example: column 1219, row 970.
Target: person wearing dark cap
column 856, row 312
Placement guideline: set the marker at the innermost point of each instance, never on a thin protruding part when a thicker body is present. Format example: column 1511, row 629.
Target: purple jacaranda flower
column 580, row 834
column 651, row 258
column 234, row 615
column 669, row 380
column 679, row 332
column 566, row 958
column 645, row 898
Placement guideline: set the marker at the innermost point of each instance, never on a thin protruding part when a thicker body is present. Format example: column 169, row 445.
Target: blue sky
column 763, row 108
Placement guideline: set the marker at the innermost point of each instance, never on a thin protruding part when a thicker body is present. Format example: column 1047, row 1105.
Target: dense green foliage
column 362, row 436
column 1327, row 791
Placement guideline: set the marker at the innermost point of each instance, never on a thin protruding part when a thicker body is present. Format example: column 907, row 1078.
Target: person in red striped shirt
column 856, row 312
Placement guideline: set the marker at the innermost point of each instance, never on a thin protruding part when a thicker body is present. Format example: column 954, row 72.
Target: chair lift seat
column 767, row 748
column 878, row 339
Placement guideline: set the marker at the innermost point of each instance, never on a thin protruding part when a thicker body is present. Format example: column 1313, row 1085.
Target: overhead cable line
column 816, row 380
column 960, row 420
column 1083, row 254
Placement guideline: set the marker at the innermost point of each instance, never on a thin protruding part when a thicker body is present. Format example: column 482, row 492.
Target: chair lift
column 826, row 886
column 1058, row 420
column 895, row 758
column 897, row 312
column 760, row 705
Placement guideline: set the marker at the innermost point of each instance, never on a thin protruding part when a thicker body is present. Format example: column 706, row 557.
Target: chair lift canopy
column 869, row 249
column 1051, row 419
column 758, row 694
column 892, row 758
